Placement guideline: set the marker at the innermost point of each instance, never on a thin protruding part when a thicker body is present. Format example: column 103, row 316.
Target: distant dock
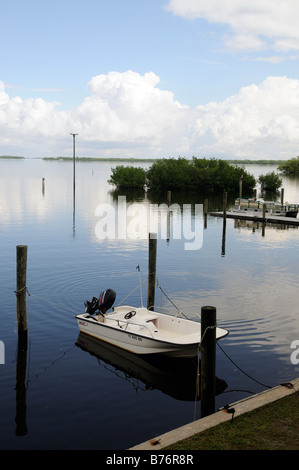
column 257, row 217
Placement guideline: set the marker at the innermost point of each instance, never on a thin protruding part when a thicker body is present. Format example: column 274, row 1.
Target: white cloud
column 255, row 25
column 128, row 107
column 35, row 116
column 261, row 121
column 276, row 59
column 126, row 114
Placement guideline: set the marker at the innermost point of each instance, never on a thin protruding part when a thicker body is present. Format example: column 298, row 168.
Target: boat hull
column 136, row 343
column 141, row 339
column 291, row 214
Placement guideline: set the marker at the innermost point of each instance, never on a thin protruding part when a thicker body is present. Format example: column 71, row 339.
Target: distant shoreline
column 134, row 160
column 95, row 159
column 11, row 157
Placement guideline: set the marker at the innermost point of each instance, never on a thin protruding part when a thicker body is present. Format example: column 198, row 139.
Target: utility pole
column 74, row 157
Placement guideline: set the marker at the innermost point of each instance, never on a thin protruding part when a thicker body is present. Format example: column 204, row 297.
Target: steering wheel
column 130, row 314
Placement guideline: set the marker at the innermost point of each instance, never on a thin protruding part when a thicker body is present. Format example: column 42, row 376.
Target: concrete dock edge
column 200, row 425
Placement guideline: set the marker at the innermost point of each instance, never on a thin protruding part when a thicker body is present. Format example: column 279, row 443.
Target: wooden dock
column 258, row 217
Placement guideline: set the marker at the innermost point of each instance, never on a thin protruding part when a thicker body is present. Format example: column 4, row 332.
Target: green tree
column 170, row 174
column 205, row 175
column 128, row 177
column 290, row 167
column 218, row 175
column 270, row 182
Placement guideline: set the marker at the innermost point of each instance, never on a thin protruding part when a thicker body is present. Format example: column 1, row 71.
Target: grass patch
column 271, row 427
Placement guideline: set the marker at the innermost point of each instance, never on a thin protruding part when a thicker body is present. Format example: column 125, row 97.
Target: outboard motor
column 105, row 301
column 91, row 306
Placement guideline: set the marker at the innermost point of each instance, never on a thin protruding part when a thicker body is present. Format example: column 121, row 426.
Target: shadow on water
column 176, row 377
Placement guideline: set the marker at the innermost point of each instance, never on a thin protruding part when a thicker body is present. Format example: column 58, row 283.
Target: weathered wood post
column 152, row 257
column 264, row 219
column 21, row 293
column 224, row 205
column 264, row 210
column 282, row 196
column 240, row 186
column 208, row 360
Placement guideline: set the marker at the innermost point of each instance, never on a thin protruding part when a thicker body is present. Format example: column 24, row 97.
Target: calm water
column 80, row 394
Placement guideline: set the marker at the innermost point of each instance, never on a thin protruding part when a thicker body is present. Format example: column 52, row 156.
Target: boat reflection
column 176, row 377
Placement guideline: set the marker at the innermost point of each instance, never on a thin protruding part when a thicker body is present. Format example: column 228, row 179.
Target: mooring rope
column 211, row 327
column 28, row 380
column 241, row 370
column 46, row 300
column 179, row 311
column 51, row 364
column 132, row 291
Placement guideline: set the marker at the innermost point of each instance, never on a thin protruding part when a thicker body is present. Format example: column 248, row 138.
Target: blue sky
column 152, row 78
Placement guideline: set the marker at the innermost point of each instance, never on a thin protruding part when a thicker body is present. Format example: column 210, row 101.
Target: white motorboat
column 143, row 331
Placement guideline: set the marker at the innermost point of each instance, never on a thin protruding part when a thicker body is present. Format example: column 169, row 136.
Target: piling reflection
column 255, row 226
column 176, row 377
column 21, row 409
column 223, row 237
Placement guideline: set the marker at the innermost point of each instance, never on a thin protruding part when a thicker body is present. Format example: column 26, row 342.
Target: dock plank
column 273, row 219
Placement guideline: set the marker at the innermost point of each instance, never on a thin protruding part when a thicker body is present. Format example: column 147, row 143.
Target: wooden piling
column 208, row 360
column 240, row 186
column 205, row 206
column 264, row 210
column 264, row 219
column 224, row 204
column 21, row 292
column 152, row 257
column 224, row 223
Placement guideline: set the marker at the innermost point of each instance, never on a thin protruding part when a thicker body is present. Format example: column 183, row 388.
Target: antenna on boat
column 138, row 267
